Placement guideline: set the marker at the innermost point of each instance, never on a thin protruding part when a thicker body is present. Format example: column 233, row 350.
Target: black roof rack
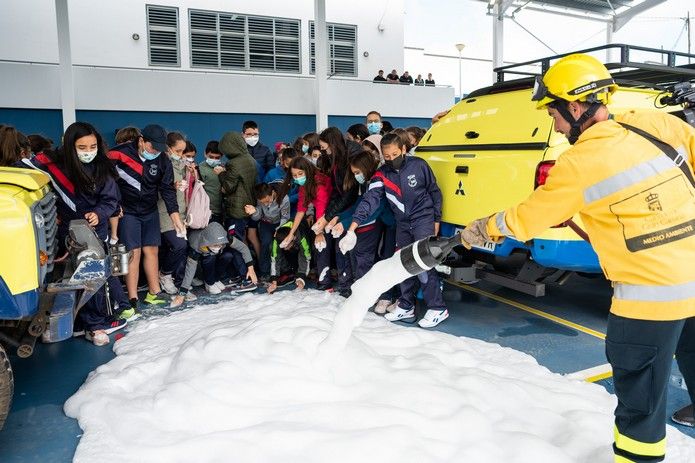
column 650, row 73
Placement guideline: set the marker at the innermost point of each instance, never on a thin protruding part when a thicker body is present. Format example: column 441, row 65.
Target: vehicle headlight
column 39, row 220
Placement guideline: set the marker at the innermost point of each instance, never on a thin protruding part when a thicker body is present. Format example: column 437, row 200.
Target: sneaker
column 100, row 336
column 156, row 299
column 400, row 314
column 78, row 333
column 167, row 284
column 221, row 286
column 243, row 286
column 684, row 416
column 433, row 318
column 229, row 282
column 190, row 297
column 381, row 305
column 212, row 289
column 97, row 337
column 196, row 282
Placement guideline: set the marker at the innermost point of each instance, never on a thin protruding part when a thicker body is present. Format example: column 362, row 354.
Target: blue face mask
column 360, row 178
column 150, row 156
column 305, row 149
column 300, row 180
column 213, row 162
column 374, row 127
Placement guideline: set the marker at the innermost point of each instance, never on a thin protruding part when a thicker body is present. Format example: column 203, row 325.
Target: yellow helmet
column 576, row 77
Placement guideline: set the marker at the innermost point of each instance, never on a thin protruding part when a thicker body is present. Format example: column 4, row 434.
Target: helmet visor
column 540, row 91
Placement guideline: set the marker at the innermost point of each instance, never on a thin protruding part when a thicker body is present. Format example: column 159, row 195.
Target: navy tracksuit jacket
column 141, row 182
column 416, row 202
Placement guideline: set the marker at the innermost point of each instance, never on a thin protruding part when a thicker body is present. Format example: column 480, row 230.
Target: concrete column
column 67, row 84
column 321, row 47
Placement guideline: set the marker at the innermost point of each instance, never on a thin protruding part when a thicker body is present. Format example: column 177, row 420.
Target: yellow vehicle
column 37, row 299
column 494, row 148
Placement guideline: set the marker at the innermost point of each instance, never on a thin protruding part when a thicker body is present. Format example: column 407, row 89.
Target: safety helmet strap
column 575, row 124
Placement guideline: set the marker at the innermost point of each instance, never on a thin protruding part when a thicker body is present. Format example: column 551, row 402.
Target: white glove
column 181, row 233
column 348, row 243
column 337, row 230
column 320, row 244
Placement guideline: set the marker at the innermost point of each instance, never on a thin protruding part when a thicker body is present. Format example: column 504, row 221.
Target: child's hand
column 249, row 209
column 301, row 284
column 218, row 170
column 251, row 275
column 331, row 224
column 337, row 230
column 92, row 219
column 320, row 242
column 272, row 287
column 287, row 241
column 177, row 300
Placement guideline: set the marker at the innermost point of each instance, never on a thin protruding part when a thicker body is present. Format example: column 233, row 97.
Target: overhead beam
column 623, row 18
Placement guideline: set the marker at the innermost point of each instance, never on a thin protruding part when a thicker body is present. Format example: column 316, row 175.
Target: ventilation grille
column 163, row 35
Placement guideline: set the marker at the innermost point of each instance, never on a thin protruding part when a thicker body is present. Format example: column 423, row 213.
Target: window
column 163, row 35
column 342, row 49
column 232, row 41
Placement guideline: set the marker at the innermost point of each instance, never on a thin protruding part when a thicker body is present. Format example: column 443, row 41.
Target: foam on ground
column 239, row 381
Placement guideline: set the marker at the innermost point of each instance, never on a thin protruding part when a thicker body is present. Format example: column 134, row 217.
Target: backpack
column 198, row 212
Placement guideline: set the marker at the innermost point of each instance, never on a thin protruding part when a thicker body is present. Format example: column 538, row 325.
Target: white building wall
column 102, row 30
column 111, row 69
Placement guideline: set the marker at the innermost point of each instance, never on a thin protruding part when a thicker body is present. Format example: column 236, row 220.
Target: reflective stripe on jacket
column 637, row 206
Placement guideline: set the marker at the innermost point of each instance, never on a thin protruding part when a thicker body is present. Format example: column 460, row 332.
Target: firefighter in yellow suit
column 630, row 178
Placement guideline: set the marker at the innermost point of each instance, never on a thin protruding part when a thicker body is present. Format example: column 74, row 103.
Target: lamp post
column 460, row 47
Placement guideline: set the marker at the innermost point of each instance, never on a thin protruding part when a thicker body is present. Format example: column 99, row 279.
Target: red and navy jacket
column 74, row 203
column 411, row 192
column 142, row 182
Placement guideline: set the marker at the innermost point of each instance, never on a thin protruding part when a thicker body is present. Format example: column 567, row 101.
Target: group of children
column 323, row 209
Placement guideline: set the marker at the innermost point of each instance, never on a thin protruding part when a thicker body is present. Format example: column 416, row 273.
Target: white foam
column 237, row 382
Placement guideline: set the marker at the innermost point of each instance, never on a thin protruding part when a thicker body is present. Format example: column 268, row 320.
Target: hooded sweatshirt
column 239, row 178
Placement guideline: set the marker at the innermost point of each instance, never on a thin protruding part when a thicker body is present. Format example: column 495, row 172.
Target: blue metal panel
column 577, row 256
column 17, row 306
column 46, row 122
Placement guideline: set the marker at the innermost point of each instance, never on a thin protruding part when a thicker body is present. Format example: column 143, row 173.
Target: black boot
column 684, row 416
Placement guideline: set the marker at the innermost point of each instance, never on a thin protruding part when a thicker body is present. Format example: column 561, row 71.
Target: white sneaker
column 219, row 285
column 167, row 284
column 212, row 289
column 433, row 318
column 98, row 337
column 190, row 297
column 400, row 314
column 196, row 282
column 381, row 305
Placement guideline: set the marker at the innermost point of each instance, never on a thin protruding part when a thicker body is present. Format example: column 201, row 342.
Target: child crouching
column 281, row 271
column 209, row 241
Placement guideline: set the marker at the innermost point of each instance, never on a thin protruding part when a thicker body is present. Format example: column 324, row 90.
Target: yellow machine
column 494, row 148
column 36, row 299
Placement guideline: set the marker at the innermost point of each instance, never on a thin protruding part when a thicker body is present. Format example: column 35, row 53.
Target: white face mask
column 252, row 141
column 86, row 156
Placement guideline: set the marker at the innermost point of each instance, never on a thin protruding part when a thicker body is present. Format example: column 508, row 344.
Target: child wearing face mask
column 172, row 252
column 271, row 211
column 204, row 246
column 409, row 187
column 84, row 181
column 315, row 189
column 278, row 174
column 209, row 170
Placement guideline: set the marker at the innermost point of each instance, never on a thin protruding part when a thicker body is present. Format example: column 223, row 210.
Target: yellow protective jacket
column 638, row 208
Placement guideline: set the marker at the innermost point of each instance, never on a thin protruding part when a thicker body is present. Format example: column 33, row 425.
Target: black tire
column 6, row 386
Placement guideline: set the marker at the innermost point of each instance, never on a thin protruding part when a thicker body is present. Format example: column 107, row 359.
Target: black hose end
column 427, row 253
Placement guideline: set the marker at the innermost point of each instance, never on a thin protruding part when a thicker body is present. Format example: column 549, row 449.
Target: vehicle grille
column 47, row 208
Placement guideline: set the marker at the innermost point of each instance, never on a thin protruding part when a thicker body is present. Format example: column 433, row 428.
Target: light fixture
column 136, row 36
column 365, row 54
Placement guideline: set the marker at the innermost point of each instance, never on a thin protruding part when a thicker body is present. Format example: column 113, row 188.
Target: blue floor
column 38, row 431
